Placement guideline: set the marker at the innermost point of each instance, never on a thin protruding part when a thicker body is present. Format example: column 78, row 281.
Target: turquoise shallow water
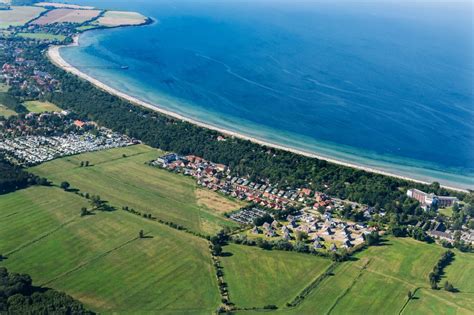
column 382, row 85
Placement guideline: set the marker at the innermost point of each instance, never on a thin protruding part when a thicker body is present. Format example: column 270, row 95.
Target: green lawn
column 257, row 277
column 99, row 259
column 42, row 36
column 40, row 107
column 446, row 211
column 128, row 181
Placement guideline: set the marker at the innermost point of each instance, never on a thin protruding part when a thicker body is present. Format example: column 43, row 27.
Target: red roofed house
column 79, row 123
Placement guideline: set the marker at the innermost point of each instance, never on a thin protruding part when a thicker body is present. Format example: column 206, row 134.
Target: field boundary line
column 340, row 297
column 118, row 158
column 428, row 291
column 39, row 238
column 89, row 261
column 313, row 285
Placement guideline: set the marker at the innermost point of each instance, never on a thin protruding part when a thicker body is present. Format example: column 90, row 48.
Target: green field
column 99, row 259
column 461, row 272
column 379, row 280
column 257, row 277
column 83, row 28
column 18, row 15
column 128, row 181
column 42, row 36
column 5, row 111
column 40, row 107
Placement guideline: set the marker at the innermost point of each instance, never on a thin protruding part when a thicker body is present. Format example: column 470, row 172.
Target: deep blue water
column 381, row 84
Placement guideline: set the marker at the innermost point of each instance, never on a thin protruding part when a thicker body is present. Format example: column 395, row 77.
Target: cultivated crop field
column 63, row 5
column 122, row 177
column 18, row 15
column 99, row 258
column 67, row 15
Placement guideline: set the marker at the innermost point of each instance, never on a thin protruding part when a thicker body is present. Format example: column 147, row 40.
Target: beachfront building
column 429, row 200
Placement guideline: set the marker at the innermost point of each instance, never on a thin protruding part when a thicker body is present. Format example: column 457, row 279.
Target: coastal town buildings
column 429, row 200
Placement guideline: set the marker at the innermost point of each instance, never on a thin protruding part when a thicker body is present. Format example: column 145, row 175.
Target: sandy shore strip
column 55, row 56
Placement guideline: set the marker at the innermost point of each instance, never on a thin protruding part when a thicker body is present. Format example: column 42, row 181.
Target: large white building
column 427, row 199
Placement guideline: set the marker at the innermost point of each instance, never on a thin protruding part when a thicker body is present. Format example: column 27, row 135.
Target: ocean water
column 383, row 84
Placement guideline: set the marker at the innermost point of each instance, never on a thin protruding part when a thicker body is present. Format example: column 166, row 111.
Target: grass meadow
column 122, row 177
column 257, row 277
column 99, row 258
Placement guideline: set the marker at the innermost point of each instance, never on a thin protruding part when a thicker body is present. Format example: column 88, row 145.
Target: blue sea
column 383, row 84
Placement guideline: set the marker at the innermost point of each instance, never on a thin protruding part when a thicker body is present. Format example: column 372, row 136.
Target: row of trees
column 438, row 269
column 13, row 177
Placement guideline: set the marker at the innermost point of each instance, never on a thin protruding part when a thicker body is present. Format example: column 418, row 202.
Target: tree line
column 19, row 296
column 13, row 177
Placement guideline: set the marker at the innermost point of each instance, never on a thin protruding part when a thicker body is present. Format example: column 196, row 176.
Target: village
column 22, row 73
column 312, row 213
column 313, row 216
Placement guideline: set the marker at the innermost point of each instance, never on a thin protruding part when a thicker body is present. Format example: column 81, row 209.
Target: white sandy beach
column 55, row 56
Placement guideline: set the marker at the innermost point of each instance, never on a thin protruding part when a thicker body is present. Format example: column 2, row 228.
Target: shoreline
column 55, row 57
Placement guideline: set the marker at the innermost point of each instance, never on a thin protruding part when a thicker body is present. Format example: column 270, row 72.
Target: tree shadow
column 383, row 242
column 352, row 258
column 226, row 254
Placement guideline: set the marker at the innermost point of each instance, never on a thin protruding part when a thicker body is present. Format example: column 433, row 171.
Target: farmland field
column 122, row 177
column 379, row 280
column 67, row 15
column 40, row 107
column 117, row 18
column 99, row 259
column 257, row 277
column 63, row 5
column 35, row 211
column 18, row 15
